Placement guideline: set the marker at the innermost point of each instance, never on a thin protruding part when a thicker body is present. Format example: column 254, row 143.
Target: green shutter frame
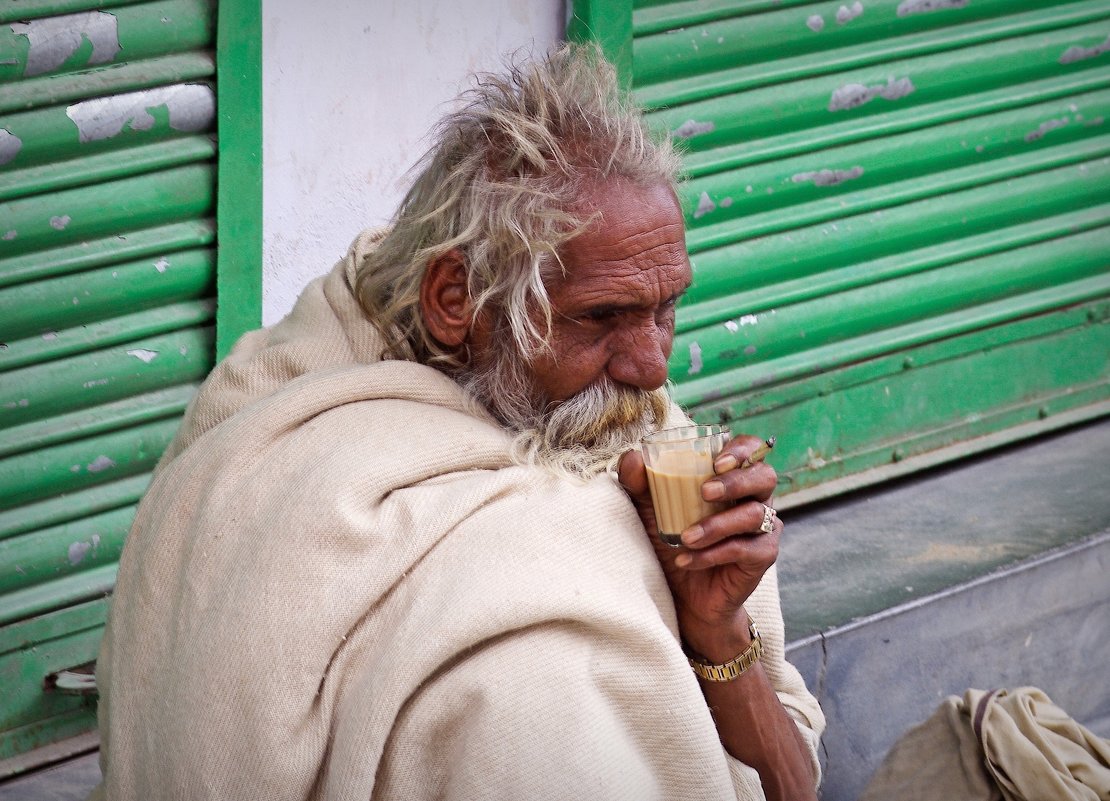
column 898, row 216
column 108, row 303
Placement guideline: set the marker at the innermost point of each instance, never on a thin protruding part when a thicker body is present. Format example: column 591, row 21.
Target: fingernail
column 692, row 535
column 713, row 490
column 725, row 463
column 683, row 560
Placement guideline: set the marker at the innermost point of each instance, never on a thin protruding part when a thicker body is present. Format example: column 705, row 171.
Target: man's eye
column 600, row 315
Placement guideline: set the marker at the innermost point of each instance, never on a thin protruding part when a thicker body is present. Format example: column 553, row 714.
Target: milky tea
column 678, row 462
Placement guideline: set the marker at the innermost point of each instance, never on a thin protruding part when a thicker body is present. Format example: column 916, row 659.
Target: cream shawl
column 339, row 587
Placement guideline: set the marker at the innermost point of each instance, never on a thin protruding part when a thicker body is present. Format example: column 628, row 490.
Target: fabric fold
column 1013, row 745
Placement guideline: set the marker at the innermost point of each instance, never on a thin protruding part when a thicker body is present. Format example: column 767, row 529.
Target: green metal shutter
column 898, row 219
column 107, row 301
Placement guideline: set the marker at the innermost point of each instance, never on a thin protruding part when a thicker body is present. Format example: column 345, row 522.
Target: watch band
column 734, row 667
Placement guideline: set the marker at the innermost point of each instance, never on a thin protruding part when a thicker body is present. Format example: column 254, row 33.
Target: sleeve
column 765, row 608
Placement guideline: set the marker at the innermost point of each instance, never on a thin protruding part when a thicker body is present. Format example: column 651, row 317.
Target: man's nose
column 641, row 359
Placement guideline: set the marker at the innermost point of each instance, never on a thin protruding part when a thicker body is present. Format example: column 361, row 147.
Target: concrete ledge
column 855, row 556
column 1041, row 623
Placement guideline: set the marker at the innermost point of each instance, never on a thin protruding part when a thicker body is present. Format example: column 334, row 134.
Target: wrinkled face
column 615, row 307
column 578, row 405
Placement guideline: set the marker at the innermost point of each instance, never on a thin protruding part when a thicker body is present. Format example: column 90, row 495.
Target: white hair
column 499, row 185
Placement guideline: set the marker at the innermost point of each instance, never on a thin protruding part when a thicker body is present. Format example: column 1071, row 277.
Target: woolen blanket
column 340, row 587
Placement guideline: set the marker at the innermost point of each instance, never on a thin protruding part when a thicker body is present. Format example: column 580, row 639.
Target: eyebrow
column 611, row 308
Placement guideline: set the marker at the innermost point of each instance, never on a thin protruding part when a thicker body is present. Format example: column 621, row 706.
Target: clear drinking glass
column 678, row 462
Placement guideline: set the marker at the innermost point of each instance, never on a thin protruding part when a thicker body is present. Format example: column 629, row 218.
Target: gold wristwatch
column 734, row 667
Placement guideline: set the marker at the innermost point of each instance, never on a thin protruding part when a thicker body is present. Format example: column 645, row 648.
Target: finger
column 744, row 518
column 758, row 481
column 735, row 451
column 631, row 473
column 753, row 554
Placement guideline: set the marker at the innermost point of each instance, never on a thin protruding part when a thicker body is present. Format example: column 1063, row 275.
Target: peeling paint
column 692, row 128
column 183, row 350
column 21, row 403
column 10, row 235
column 732, row 326
column 50, row 336
column 1077, row 53
column 96, row 382
column 816, row 23
column 748, row 319
column 907, row 7
column 78, row 551
column 10, row 145
column 143, row 355
column 845, row 14
column 1045, row 127
column 75, row 468
column 695, row 359
column 161, row 265
column 52, row 40
column 852, row 95
column 59, row 223
column 191, row 107
column 705, row 205
column 726, row 202
column 1093, row 121
column 100, row 464
column 828, row 177
column 750, row 350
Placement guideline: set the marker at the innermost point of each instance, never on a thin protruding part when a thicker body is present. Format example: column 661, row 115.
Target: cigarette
column 759, row 454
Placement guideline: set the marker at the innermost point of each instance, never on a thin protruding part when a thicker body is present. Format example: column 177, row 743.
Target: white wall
column 350, row 91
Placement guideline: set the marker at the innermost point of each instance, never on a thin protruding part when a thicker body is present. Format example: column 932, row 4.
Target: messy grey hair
column 500, row 184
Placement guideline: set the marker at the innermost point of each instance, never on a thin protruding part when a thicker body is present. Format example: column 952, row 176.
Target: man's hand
column 719, row 565
column 723, row 556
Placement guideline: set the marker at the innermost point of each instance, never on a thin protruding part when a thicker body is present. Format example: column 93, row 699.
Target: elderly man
column 395, row 551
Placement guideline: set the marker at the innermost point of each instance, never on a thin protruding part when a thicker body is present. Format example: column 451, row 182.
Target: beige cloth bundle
column 1014, row 745
column 339, row 587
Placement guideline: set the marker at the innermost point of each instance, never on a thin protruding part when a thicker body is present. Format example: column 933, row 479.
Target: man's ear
column 445, row 299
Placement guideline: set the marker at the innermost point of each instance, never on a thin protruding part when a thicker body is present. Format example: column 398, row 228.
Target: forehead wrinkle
column 657, row 238
column 631, row 289
column 655, row 252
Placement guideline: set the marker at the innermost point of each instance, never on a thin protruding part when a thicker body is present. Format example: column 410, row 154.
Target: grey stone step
column 1042, row 623
column 990, row 573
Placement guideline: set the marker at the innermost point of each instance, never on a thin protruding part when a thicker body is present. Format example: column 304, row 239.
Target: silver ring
column 768, row 524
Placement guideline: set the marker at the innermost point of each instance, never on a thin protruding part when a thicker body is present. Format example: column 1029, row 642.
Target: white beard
column 577, row 438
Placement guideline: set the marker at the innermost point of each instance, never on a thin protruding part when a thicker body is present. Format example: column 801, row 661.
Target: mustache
column 579, row 437
column 605, row 411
